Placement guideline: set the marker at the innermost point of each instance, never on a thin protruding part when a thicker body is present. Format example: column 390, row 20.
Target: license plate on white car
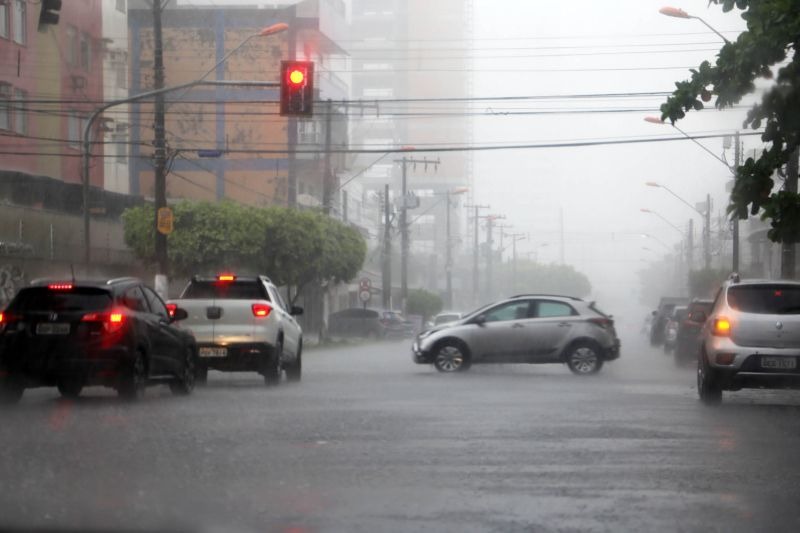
column 213, row 352
column 779, row 363
column 52, row 328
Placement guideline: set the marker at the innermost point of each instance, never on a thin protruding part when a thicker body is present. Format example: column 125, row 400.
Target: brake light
column 722, row 327
column 226, row 277
column 60, row 286
column 112, row 322
column 261, row 310
column 171, row 308
column 602, row 322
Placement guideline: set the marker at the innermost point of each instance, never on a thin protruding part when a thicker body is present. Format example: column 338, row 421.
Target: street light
column 659, row 241
column 681, row 14
column 650, row 211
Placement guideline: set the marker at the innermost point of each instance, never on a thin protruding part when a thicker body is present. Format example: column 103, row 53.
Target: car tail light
column 171, row 308
column 722, row 327
column 261, row 310
column 5, row 320
column 60, row 286
column 112, row 322
column 226, row 277
column 602, row 322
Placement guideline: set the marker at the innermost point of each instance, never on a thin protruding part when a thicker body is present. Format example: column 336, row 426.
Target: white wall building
column 115, row 86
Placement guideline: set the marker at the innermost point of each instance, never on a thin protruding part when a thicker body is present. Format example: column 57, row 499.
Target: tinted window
column 552, row 309
column 509, row 311
column 156, row 305
column 44, row 299
column 225, row 290
column 773, row 299
column 134, row 299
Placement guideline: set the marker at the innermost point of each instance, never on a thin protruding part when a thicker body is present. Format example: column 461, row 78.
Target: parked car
column 751, row 338
column 356, row 322
column 71, row 334
column 444, row 317
column 242, row 324
column 661, row 315
column 396, row 326
column 523, row 329
column 688, row 338
column 674, row 319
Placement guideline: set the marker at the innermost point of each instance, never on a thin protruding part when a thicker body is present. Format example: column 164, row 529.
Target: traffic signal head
column 297, row 88
column 49, row 12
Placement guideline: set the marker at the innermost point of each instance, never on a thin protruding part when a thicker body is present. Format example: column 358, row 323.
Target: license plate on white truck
column 213, row 352
column 779, row 363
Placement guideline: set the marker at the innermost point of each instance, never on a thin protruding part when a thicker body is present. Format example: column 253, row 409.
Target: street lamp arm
column 710, row 27
column 690, row 206
column 701, row 145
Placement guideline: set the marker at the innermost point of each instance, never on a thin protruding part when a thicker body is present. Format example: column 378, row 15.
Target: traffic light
column 49, row 12
column 297, row 88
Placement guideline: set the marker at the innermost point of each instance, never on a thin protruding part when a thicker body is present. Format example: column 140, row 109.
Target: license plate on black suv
column 779, row 363
column 52, row 328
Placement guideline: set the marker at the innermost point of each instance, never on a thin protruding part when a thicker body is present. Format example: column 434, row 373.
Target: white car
column 242, row 324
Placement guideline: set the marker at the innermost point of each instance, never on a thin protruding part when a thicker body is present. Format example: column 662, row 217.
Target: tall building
column 411, row 59
column 117, row 120
column 253, row 149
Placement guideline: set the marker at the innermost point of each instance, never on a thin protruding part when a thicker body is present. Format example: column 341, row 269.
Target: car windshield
column 76, row 299
column 225, row 290
column 772, row 299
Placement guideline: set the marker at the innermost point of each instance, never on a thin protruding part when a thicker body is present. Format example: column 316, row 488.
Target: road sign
column 364, row 284
column 364, row 296
column 165, row 220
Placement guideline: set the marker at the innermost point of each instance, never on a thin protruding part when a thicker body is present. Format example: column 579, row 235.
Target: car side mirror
column 480, row 320
column 179, row 314
column 296, row 310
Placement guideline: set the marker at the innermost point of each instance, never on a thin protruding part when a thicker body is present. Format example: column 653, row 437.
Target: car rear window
column 225, row 290
column 76, row 299
column 773, row 299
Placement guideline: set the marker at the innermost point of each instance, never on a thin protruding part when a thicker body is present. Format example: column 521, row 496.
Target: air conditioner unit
column 78, row 82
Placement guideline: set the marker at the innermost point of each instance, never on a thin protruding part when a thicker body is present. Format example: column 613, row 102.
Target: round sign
column 364, row 284
column 364, row 296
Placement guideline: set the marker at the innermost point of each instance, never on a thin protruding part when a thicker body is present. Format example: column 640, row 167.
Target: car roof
column 565, row 297
column 758, row 281
column 238, row 278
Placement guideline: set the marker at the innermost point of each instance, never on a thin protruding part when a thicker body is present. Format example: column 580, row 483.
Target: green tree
column 424, row 303
column 704, row 283
column 773, row 33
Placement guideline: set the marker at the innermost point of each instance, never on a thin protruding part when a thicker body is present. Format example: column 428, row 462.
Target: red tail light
column 60, row 286
column 171, row 308
column 602, row 322
column 261, row 310
column 226, row 277
column 112, row 322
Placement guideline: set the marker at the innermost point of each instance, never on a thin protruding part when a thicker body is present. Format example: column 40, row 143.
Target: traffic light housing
column 297, row 88
column 49, row 12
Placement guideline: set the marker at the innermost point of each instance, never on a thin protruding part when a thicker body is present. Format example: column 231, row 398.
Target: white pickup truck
column 242, row 324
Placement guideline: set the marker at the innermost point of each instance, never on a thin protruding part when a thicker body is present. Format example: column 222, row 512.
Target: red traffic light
column 297, row 88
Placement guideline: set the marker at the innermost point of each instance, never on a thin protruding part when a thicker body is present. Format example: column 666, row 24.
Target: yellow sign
column 165, row 220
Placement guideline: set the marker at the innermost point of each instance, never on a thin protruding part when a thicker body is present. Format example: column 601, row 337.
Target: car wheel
column 11, row 390
column 133, row 384
column 70, row 389
column 184, row 385
column 708, row 387
column 272, row 366
column 451, row 356
column 294, row 371
column 584, row 359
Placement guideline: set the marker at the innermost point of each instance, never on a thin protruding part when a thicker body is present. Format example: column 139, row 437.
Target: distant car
column 444, row 318
column 750, row 339
column 356, row 323
column 688, row 338
column 523, row 329
column 71, row 334
column 661, row 315
column 674, row 319
column 396, row 326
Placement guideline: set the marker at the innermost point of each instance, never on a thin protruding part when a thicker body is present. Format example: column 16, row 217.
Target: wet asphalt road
column 371, row 442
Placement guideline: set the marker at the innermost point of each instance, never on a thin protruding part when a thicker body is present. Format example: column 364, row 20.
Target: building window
column 75, row 125
column 121, row 6
column 85, row 51
column 120, row 147
column 5, row 108
column 4, row 20
column 20, row 21
column 71, row 47
column 20, row 115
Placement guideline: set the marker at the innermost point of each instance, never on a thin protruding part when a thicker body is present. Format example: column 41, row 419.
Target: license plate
column 779, row 363
column 213, row 352
column 52, row 328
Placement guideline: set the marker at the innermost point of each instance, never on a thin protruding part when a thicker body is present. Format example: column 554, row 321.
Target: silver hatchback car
column 750, row 339
column 523, row 329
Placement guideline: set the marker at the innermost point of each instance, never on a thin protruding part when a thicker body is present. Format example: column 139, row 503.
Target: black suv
column 71, row 334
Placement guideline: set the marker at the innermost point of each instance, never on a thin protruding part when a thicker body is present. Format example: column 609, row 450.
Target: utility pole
column 387, row 250
column 788, row 254
column 514, row 238
column 475, row 252
column 707, row 233
column 737, row 155
column 690, row 247
column 327, row 185
column 159, row 154
column 448, row 263
column 404, row 237
column 489, row 259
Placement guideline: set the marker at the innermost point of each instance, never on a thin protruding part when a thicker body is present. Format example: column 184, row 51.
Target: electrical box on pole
column 297, row 88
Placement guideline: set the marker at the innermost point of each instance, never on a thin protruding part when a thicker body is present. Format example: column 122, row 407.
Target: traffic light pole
column 159, row 154
column 327, row 179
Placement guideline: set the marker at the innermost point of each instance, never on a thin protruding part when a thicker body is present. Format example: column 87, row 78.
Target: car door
column 553, row 323
column 167, row 339
column 291, row 329
column 501, row 336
